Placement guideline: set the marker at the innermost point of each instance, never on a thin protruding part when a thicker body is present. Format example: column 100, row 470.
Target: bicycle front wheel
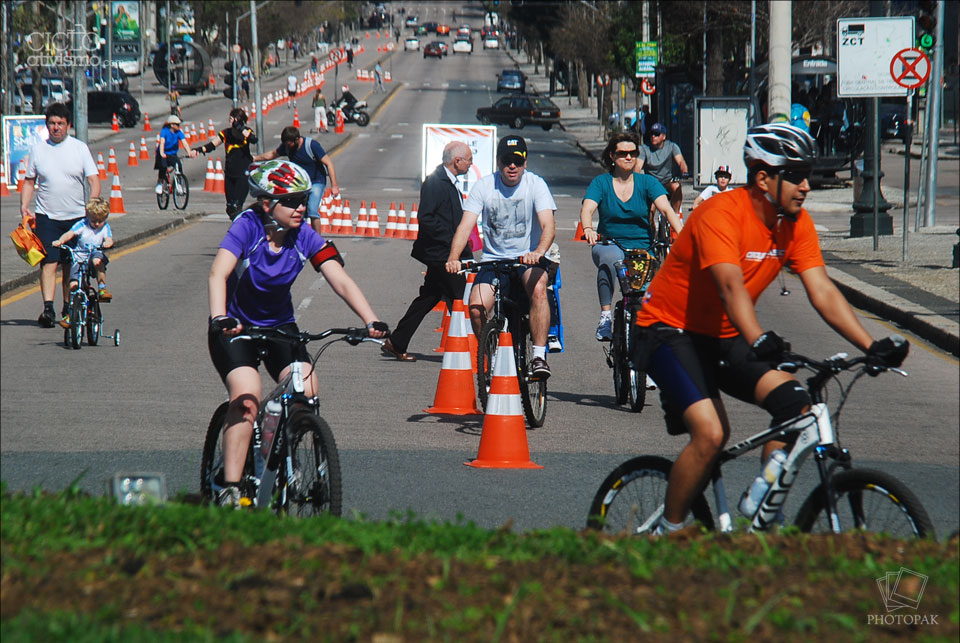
column 868, row 500
column 181, row 191
column 76, row 320
column 487, row 344
column 533, row 393
column 317, row 486
column 636, row 380
column 211, row 461
column 630, row 499
column 163, row 198
column 619, row 355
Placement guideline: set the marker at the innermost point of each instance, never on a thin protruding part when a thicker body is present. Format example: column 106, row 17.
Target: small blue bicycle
column 85, row 312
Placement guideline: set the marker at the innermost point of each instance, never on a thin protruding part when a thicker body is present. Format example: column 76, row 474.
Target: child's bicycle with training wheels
column 84, row 311
column 175, row 184
column 510, row 312
column 630, row 500
column 294, row 469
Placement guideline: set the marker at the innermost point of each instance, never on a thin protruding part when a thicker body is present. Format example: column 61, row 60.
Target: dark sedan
column 433, row 49
column 519, row 110
column 101, row 106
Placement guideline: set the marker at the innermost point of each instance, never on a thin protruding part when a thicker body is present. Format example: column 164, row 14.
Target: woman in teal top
column 622, row 197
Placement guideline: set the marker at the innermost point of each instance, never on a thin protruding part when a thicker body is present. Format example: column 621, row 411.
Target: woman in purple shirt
column 258, row 260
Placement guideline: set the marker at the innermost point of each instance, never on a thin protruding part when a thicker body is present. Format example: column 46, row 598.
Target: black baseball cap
column 512, row 148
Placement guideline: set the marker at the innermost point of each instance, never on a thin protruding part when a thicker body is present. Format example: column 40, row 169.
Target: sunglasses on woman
column 622, row 154
column 293, row 202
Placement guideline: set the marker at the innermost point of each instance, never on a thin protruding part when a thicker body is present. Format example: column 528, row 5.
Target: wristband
column 588, row 227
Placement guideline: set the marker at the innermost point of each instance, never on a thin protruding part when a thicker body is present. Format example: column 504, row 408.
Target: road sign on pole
column 865, row 49
column 336, row 56
column 646, row 59
column 910, row 68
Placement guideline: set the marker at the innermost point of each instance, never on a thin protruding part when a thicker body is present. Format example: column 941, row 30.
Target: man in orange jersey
column 697, row 333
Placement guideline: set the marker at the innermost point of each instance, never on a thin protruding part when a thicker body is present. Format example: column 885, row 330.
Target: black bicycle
column 85, row 312
column 292, row 464
column 510, row 312
column 176, row 184
column 630, row 499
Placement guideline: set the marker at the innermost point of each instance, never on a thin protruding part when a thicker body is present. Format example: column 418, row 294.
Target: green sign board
column 646, row 59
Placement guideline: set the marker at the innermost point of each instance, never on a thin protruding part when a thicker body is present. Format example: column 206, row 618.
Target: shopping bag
column 28, row 245
column 474, row 240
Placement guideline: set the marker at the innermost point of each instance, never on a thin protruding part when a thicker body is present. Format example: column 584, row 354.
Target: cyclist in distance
column 658, row 158
column 171, row 139
column 518, row 221
column 623, row 199
column 260, row 257
column 697, row 332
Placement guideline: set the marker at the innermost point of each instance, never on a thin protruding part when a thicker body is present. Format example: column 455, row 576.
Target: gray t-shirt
column 659, row 163
column 60, row 171
column 509, row 214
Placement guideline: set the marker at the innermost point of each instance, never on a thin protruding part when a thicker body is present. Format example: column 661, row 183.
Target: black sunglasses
column 796, row 176
column 622, row 154
column 293, row 202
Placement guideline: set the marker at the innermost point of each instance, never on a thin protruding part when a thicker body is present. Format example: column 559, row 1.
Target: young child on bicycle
column 260, row 257
column 92, row 234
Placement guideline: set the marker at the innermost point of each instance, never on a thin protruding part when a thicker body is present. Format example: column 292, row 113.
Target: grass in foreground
column 86, row 569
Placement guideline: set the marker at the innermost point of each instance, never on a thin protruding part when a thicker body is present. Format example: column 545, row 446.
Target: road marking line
column 305, row 303
column 396, row 136
column 393, row 189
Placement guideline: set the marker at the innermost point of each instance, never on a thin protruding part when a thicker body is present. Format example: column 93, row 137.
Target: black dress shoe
column 388, row 349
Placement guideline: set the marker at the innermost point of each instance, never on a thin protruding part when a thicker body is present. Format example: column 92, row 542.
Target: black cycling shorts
column 689, row 367
column 277, row 355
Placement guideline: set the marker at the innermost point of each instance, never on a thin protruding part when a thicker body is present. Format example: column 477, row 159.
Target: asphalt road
column 145, row 405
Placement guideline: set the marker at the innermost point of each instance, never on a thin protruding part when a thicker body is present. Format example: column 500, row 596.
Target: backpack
column 308, row 145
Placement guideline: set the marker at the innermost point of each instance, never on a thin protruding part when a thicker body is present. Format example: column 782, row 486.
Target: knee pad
column 786, row 402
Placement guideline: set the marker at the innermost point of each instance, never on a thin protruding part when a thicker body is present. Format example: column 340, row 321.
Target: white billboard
column 866, row 47
column 482, row 140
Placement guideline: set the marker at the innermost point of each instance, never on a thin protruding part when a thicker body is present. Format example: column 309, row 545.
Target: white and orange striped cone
column 471, row 276
column 219, row 185
column 101, row 168
column 325, row 214
column 201, row 133
column 21, row 175
column 146, row 123
column 336, row 215
column 503, row 439
column 132, row 157
column 116, row 197
column 363, row 228
column 144, row 152
column 210, row 179
column 346, row 219
column 112, row 163
column 444, row 330
column 296, row 118
column 115, row 125
column 414, row 226
column 402, row 228
column 391, row 230
column 211, row 130
column 4, row 188
column 374, row 225
column 455, row 391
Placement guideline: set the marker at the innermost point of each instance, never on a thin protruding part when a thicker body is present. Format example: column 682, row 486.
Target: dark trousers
column 437, row 284
column 235, row 190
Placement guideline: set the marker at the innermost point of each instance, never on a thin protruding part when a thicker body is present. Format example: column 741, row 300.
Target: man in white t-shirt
column 723, row 182
column 56, row 169
column 518, row 222
column 291, row 90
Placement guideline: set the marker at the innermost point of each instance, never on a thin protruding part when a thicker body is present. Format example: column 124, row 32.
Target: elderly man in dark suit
column 441, row 209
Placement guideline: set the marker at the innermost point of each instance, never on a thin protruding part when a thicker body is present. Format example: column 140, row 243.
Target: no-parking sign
column 910, row 68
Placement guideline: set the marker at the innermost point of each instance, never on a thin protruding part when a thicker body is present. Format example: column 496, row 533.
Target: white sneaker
column 159, row 188
column 605, row 330
column 651, row 385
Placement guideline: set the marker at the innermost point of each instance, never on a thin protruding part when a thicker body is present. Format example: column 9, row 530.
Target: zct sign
column 865, row 48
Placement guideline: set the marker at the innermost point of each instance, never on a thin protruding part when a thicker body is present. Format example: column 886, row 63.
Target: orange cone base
column 453, row 410
column 501, row 447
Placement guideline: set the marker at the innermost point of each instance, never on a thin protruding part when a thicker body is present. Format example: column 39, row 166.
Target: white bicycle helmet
column 779, row 145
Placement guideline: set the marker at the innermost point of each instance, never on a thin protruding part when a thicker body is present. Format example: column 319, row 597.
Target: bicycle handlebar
column 469, row 265
column 792, row 362
column 353, row 336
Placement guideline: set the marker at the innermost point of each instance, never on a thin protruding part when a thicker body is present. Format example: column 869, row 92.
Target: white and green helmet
column 277, row 179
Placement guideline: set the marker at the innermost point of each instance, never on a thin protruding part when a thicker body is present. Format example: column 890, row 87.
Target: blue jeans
column 316, row 196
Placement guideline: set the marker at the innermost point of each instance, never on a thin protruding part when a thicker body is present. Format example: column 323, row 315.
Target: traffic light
column 228, row 80
column 927, row 22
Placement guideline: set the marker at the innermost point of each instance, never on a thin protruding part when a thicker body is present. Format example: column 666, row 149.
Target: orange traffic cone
column 444, row 329
column 112, row 163
column 219, row 183
column 21, row 175
column 296, row 118
column 363, row 229
column 374, row 224
column 211, row 130
column 115, row 126
column 201, row 133
column 402, row 227
column 577, row 236
column 339, row 127
column 116, row 197
column 325, row 227
column 132, row 157
column 455, row 391
column 4, row 189
column 146, row 123
column 144, row 153
column 210, row 179
column 503, row 440
column 336, row 215
column 391, row 230
column 101, row 169
column 414, row 226
column 346, row 219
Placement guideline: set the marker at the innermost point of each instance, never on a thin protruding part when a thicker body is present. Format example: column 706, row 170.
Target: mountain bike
column 176, row 184
column 631, row 498
column 296, row 470
column 84, row 308
column 510, row 312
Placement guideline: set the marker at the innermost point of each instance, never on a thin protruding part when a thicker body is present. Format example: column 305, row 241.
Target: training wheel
column 116, row 337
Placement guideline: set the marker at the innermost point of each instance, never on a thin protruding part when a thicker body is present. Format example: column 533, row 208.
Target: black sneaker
column 539, row 370
column 46, row 318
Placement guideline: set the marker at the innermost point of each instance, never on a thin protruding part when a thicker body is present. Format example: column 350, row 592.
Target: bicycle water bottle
column 271, row 418
column 752, row 497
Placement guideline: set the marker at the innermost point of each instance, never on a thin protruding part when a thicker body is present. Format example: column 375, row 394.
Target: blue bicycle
column 85, row 312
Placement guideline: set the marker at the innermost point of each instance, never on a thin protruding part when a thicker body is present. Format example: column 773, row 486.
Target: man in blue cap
column 659, row 158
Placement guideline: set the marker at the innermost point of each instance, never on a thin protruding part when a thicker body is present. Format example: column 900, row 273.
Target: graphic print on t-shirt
column 506, row 218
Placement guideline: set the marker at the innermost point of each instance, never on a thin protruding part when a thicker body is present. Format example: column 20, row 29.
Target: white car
column 491, row 42
column 411, row 44
column 463, row 46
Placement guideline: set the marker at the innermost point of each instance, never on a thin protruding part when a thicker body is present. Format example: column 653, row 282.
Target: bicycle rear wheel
column 619, row 355
column 533, row 393
column 163, row 199
column 211, row 461
column 317, row 485
column 487, row 344
column 94, row 322
column 636, row 380
column 868, row 500
column 181, row 191
column 76, row 320
column 630, row 499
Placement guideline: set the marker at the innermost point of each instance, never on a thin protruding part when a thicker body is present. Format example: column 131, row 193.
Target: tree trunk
column 582, row 85
column 714, row 62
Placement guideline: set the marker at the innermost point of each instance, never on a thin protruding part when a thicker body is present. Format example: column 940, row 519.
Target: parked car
column 519, row 110
column 433, row 49
column 629, row 119
column 463, row 45
column 420, row 30
column 511, row 80
column 411, row 44
column 101, row 106
column 412, row 21
column 52, row 90
column 491, row 42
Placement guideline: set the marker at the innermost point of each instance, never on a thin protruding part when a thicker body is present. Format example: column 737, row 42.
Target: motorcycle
column 355, row 113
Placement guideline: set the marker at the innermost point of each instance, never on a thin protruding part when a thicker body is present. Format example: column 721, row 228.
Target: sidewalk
column 147, row 220
column 921, row 294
